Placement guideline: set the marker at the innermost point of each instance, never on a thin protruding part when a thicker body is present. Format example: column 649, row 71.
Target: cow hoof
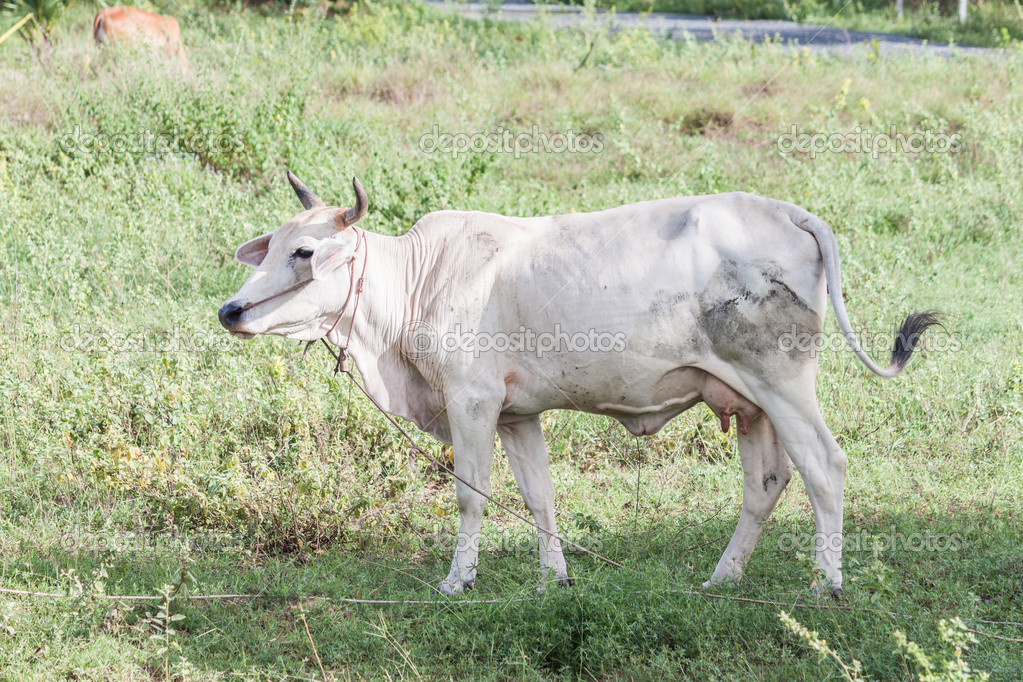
column 450, row 588
column 564, row 581
column 724, row 580
column 825, row 591
column 453, row 585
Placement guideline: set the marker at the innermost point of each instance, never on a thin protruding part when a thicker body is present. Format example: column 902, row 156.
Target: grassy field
column 144, row 451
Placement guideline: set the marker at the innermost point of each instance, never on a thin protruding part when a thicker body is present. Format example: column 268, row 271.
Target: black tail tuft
column 909, row 334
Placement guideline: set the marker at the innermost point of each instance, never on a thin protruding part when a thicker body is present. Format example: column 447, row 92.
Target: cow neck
column 380, row 309
column 353, row 287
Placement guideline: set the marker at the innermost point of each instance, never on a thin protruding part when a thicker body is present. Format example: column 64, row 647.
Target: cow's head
column 301, row 281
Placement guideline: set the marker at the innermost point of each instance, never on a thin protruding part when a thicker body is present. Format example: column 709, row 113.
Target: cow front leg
column 473, row 425
column 527, row 455
column 766, row 470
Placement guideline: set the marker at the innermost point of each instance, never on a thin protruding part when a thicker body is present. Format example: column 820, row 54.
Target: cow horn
column 352, row 215
column 305, row 195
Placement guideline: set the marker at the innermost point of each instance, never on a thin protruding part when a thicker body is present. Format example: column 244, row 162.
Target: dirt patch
column 21, row 103
column 702, row 122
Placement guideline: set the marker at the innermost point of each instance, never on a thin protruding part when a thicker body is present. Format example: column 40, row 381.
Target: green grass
column 175, row 455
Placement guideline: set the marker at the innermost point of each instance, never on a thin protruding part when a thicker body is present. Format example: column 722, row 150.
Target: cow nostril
column 231, row 314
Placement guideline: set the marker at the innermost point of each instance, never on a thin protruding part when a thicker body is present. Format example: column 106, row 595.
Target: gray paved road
column 678, row 26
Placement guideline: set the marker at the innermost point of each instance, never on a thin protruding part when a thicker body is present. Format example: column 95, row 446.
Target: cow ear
column 254, row 251
column 330, row 254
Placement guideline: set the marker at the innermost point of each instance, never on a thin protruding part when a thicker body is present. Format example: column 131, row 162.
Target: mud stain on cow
column 679, row 226
column 746, row 311
column 665, row 302
column 486, row 247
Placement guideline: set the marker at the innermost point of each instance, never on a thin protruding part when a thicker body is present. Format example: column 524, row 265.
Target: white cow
column 474, row 323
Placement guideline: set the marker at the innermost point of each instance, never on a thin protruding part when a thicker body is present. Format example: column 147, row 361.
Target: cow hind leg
column 527, row 455
column 821, row 464
column 766, row 471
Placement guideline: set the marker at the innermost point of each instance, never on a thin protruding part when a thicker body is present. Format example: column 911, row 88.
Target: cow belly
column 650, row 407
column 649, row 423
column 644, row 406
column 722, row 399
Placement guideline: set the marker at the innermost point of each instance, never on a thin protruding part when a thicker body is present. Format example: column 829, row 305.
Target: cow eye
column 303, row 253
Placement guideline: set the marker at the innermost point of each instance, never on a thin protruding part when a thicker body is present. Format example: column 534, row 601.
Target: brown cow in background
column 132, row 25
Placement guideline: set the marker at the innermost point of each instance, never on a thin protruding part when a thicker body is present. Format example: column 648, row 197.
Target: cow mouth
column 300, row 334
column 242, row 335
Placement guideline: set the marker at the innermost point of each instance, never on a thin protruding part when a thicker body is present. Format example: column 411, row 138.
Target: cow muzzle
column 230, row 315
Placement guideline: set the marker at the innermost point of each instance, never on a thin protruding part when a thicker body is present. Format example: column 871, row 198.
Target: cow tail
column 909, row 332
